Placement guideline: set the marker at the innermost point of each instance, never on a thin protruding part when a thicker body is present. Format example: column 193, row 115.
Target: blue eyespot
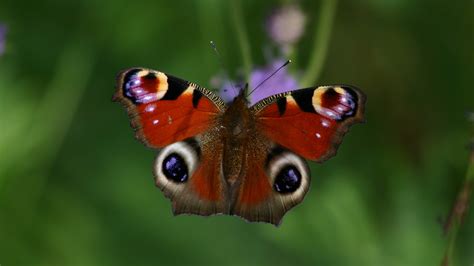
column 174, row 168
column 288, row 180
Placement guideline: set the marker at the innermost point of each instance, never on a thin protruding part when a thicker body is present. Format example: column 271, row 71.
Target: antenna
column 271, row 75
column 214, row 47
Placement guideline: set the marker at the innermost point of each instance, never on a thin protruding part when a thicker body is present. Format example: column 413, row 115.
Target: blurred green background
column 76, row 188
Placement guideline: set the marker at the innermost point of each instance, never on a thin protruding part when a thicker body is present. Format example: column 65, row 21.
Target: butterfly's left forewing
column 164, row 109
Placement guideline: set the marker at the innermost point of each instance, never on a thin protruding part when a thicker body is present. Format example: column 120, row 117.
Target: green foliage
column 77, row 189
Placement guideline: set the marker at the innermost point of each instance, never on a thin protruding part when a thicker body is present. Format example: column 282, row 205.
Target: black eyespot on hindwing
column 287, row 180
column 174, row 168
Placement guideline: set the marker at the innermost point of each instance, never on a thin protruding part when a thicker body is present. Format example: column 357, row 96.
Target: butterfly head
column 240, row 97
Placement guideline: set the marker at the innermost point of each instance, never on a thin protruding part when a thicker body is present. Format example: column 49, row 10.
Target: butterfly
column 235, row 159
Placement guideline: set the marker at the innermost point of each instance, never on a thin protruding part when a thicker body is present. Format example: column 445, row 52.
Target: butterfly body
column 238, row 124
column 235, row 159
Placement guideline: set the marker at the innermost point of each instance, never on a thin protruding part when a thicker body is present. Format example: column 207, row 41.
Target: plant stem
column 323, row 31
column 459, row 210
column 242, row 37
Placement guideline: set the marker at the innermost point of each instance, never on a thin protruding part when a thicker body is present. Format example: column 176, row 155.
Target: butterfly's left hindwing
column 190, row 174
column 165, row 109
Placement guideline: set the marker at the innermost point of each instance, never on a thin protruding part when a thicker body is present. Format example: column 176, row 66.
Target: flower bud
column 285, row 26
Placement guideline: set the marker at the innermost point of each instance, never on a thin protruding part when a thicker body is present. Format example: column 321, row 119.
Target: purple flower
column 227, row 92
column 285, row 25
column 282, row 81
column 3, row 32
column 228, row 88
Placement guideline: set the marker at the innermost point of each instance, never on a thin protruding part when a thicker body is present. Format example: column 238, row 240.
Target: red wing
column 165, row 109
column 311, row 122
column 190, row 174
column 273, row 181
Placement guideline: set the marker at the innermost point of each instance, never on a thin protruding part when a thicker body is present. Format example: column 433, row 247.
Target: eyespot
column 335, row 102
column 143, row 86
column 176, row 163
column 175, row 168
column 287, row 180
column 289, row 174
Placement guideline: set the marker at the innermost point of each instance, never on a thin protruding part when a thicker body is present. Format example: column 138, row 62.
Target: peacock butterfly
column 218, row 158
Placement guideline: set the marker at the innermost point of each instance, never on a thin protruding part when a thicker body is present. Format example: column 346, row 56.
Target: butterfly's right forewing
column 311, row 122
